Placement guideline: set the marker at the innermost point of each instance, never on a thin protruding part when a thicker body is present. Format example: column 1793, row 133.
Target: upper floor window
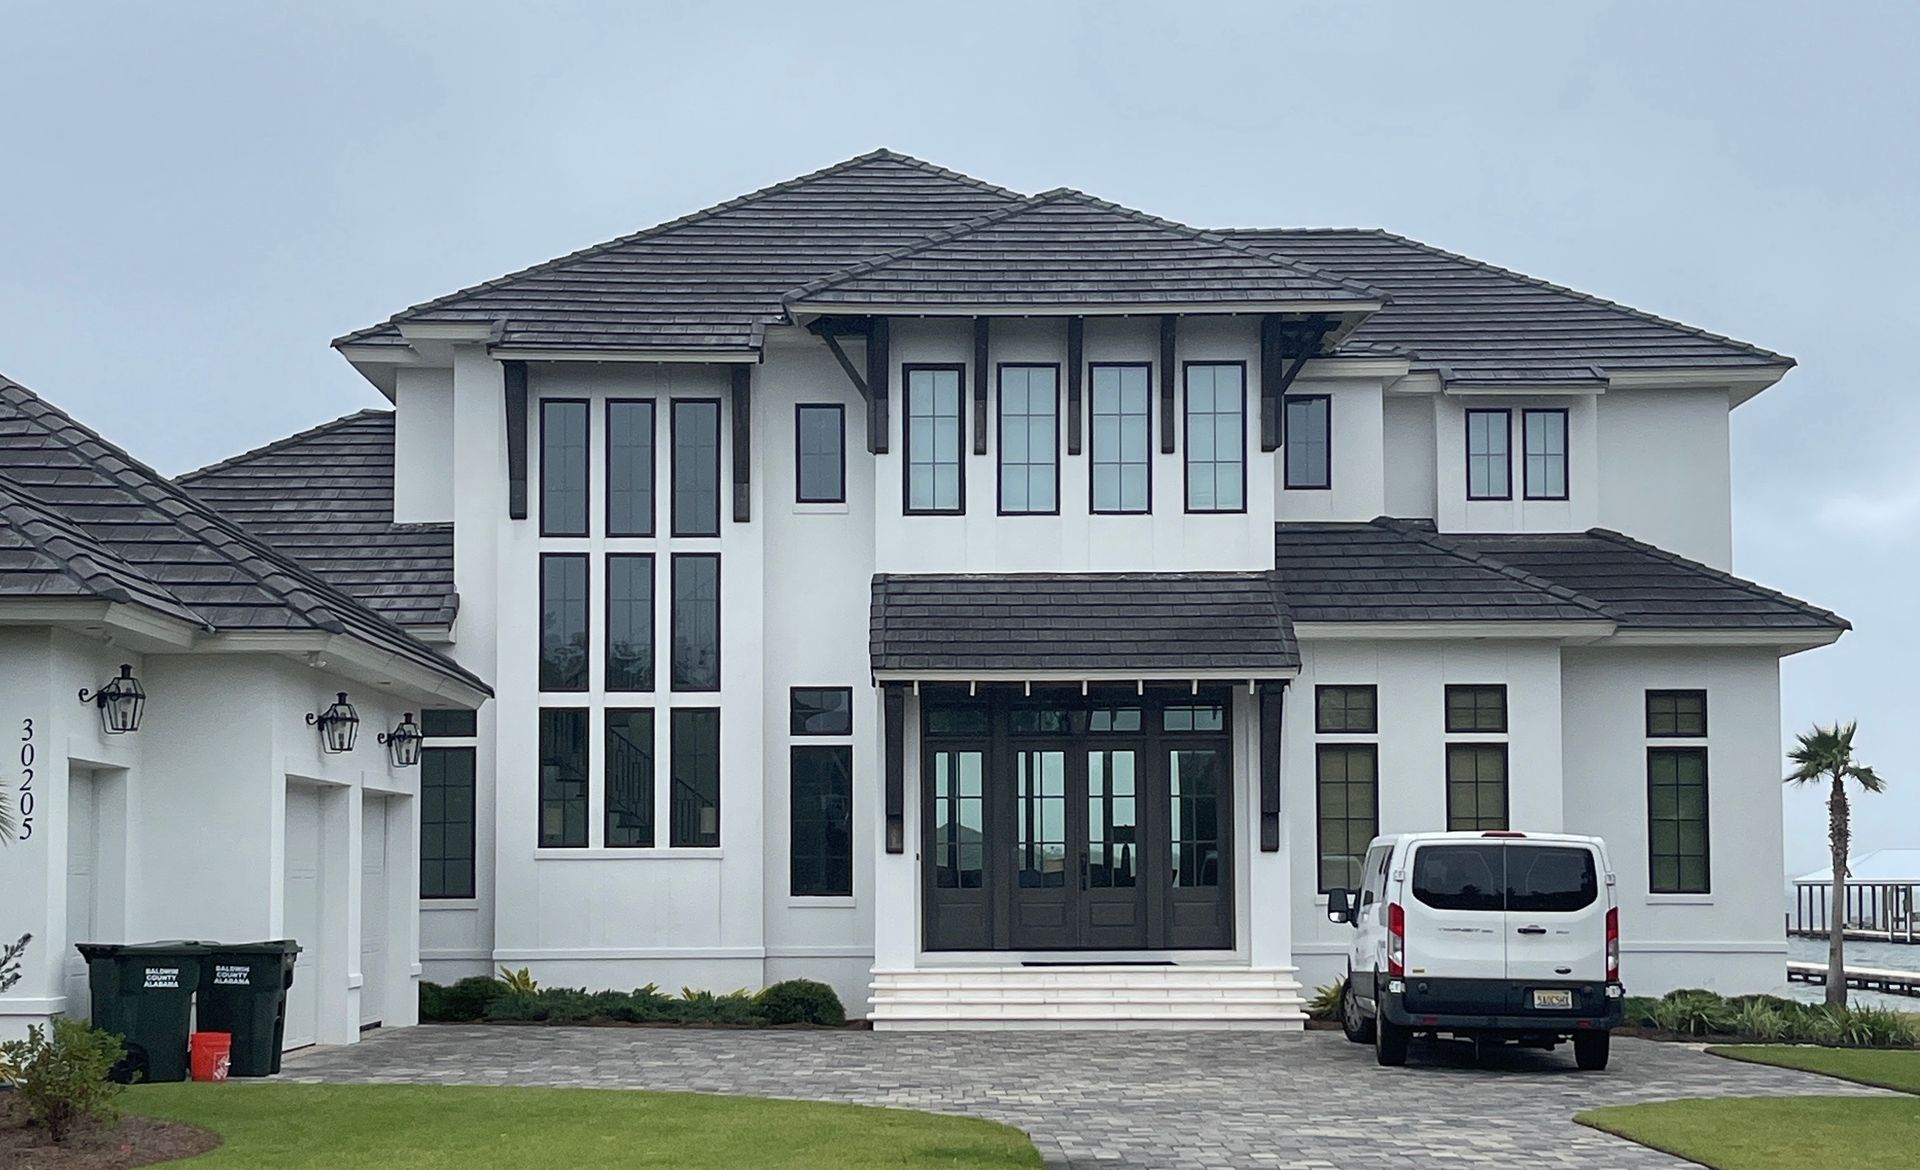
column 1543, row 435
column 1349, row 710
column 629, row 468
column 563, row 467
column 1489, row 469
column 1029, row 439
column 1309, row 441
column 1122, row 438
column 563, row 622
column 935, row 433
column 820, row 453
column 822, row 710
column 629, row 622
column 695, row 803
column 696, row 467
column 1216, row 437
column 1676, row 714
column 1473, row 708
column 696, row 622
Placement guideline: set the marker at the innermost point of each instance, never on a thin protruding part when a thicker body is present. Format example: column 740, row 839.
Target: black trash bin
column 243, row 990
column 144, row 994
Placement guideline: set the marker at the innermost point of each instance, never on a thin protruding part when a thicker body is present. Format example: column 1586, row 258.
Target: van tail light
column 1613, row 945
column 1396, row 939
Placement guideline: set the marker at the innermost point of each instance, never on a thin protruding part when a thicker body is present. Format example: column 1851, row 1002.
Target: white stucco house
column 1021, row 610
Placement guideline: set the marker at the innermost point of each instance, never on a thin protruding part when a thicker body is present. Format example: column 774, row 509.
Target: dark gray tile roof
column 1163, row 625
column 325, row 498
column 117, row 526
column 1065, row 248
column 1482, row 323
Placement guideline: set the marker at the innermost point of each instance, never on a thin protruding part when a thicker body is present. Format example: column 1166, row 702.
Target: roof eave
column 1403, row 630
column 1102, row 675
column 811, row 309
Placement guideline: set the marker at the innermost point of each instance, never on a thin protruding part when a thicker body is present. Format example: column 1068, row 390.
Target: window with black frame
column 935, row 433
column 563, row 622
column 1121, row 459
column 1216, row 441
column 696, row 467
column 1309, row 445
column 563, row 467
column 1489, row 463
column 563, row 778
column 820, row 453
column 821, row 808
column 628, row 782
column 695, row 797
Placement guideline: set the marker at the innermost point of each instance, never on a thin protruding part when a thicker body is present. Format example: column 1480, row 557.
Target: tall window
column 822, row 820
column 1347, row 782
column 1309, row 441
column 1216, row 437
column 696, row 622
column 563, row 779
column 695, row 799
column 563, row 622
column 630, row 622
column 446, row 822
column 1678, row 852
column 696, row 467
column 628, row 765
column 1122, row 438
column 935, row 433
column 1476, row 786
column 1029, row 439
column 820, row 453
column 1544, row 435
column 1489, row 470
column 563, row 467
column 630, row 468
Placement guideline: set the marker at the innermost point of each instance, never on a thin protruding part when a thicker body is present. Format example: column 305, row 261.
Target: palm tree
column 1825, row 754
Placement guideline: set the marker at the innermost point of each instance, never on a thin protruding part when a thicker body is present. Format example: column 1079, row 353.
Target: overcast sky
column 197, row 197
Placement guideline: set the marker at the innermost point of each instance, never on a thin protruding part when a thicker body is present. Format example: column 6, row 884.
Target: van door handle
column 1533, row 930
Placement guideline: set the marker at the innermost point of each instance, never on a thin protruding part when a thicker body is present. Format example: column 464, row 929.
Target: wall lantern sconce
column 338, row 725
column 121, row 702
column 403, row 742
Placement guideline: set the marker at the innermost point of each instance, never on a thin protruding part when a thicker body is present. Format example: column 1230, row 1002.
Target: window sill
column 427, row 904
column 1680, row 900
column 825, row 902
column 654, row 853
column 821, row 509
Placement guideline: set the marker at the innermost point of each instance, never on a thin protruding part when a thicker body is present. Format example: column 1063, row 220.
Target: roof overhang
column 507, row 353
column 1742, row 383
column 1786, row 641
column 349, row 656
column 133, row 626
column 1085, row 678
column 811, row 309
column 1441, row 631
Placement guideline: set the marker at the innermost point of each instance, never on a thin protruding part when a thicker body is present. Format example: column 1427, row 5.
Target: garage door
column 302, row 913
column 373, row 912
column 83, row 903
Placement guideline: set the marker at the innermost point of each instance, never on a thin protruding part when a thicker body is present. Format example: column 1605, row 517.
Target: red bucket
column 211, row 1052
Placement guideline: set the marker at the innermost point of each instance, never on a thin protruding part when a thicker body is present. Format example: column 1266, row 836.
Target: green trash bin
column 243, row 990
column 144, row 994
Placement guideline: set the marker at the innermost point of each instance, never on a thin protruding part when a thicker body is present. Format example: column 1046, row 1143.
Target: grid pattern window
column 1475, row 708
column 1346, row 710
column 1347, row 787
column 1676, row 714
column 1489, row 467
column 696, row 622
column 1543, row 436
column 822, row 821
column 630, row 467
column 1677, row 845
column 449, row 723
column 695, row 799
column 563, row 778
column 1309, row 441
column 935, row 433
column 1029, row 439
column 820, row 453
column 563, row 622
column 628, row 781
column 696, row 467
column 563, row 467
column 446, row 822
column 1122, row 438
column 630, row 622
column 1216, row 437
column 1476, row 786
column 822, row 710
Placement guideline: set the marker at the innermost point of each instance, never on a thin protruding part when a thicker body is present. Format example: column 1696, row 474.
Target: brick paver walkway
column 1134, row 1100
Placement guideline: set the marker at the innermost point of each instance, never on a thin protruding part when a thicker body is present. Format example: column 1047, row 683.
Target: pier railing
column 1882, row 911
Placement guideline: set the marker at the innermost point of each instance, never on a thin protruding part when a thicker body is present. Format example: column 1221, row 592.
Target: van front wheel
column 1353, row 1021
column 1590, row 1050
column 1389, row 1042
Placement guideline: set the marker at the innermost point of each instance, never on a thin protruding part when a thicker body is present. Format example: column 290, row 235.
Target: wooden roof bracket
column 1285, row 347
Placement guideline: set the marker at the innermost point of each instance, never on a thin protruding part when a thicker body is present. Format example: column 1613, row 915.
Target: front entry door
column 1076, row 847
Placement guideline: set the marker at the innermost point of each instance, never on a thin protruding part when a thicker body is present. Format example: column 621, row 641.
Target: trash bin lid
column 186, row 948
column 277, row 947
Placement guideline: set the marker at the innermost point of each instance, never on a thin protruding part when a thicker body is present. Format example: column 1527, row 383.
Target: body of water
column 1892, row 956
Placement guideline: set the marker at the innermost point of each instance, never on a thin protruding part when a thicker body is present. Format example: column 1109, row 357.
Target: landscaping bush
column 1325, row 1004
column 465, row 1002
column 1693, row 1011
column 63, row 1079
column 802, row 1001
column 645, row 1005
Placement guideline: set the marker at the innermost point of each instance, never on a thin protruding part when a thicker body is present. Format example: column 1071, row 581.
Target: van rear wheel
column 1590, row 1050
column 1389, row 1042
column 1353, row 1021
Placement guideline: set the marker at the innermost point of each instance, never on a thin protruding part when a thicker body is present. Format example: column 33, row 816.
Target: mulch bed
column 131, row 1141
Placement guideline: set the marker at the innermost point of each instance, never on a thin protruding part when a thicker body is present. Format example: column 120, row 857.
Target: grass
column 1897, row 1070
column 432, row 1127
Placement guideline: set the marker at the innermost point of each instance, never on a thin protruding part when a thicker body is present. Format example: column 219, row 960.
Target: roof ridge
column 283, row 442
column 1436, row 540
column 86, row 551
column 881, row 154
column 893, row 255
column 1720, row 575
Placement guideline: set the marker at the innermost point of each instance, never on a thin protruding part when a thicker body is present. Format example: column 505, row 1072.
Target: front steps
column 1091, row 996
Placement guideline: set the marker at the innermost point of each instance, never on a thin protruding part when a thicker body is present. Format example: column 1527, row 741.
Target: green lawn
column 1888, row 1068
column 424, row 1127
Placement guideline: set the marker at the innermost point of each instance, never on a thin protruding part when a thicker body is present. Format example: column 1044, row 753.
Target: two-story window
column 1122, row 454
column 1029, row 439
column 1678, row 856
column 1309, row 442
column 1216, row 427
column 935, row 433
column 1489, row 465
column 1476, row 765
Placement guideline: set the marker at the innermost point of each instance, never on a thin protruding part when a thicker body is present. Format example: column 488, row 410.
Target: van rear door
column 1556, row 916
column 1456, row 924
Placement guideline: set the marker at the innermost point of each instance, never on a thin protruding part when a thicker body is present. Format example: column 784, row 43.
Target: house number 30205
column 26, row 779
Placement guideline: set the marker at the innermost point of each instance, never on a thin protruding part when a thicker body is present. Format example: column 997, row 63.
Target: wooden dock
column 1881, row 979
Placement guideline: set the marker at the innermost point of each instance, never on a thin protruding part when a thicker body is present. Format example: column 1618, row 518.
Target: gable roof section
column 1119, row 625
column 325, row 498
column 1066, row 249
column 1479, row 323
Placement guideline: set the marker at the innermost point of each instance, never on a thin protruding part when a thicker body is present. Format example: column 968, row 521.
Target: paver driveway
column 1146, row 1100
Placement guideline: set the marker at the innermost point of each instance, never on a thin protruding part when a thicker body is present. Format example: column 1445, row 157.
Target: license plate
column 1551, row 1000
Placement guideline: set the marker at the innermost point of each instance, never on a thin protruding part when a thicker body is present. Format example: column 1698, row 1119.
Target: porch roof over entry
column 1071, row 626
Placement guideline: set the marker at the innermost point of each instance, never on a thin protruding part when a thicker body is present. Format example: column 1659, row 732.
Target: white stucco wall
column 1665, row 470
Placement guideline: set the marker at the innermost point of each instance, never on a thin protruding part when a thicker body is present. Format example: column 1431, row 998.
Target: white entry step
column 1093, row 996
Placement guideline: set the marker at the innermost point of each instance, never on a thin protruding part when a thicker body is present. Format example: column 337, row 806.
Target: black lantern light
column 403, row 742
column 121, row 702
column 338, row 725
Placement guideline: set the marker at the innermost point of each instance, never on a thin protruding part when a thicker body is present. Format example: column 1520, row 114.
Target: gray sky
column 197, row 197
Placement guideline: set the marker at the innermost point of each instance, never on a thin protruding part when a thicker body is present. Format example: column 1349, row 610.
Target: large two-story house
column 1021, row 609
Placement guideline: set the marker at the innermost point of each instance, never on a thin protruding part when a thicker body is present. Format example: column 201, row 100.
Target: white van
column 1491, row 936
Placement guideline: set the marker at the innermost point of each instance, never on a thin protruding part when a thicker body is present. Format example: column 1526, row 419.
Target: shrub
column 1639, row 1010
column 1326, row 1001
column 802, row 1001
column 63, row 1079
column 704, row 1007
column 1757, row 1020
column 1692, row 1012
column 463, row 1003
column 521, row 982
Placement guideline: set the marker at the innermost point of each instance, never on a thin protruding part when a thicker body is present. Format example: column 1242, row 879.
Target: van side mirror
column 1339, row 906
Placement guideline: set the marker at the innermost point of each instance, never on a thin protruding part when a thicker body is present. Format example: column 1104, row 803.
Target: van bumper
column 1498, row 1005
